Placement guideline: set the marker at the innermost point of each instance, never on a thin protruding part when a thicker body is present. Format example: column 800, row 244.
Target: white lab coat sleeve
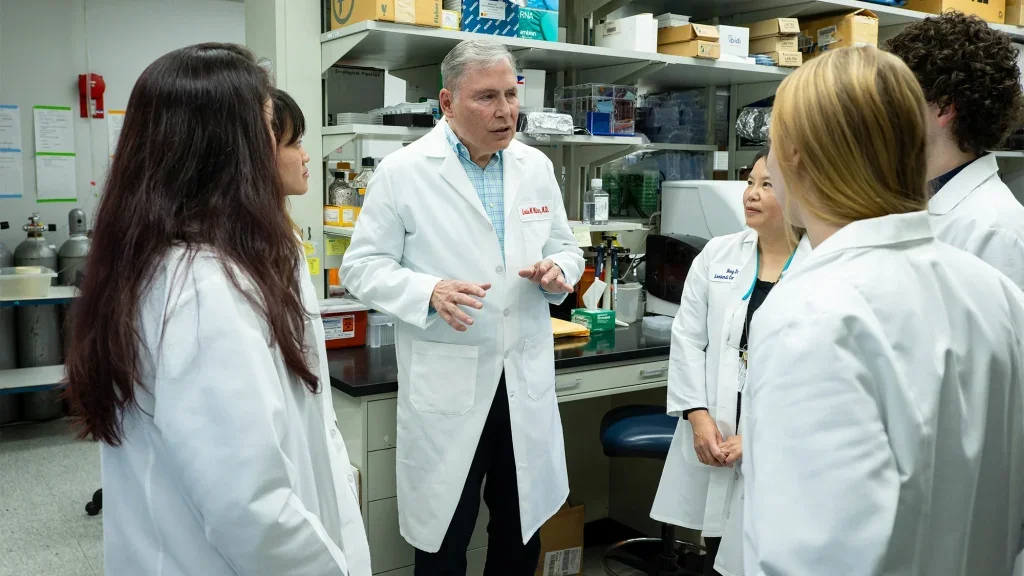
column 561, row 246
column 821, row 481
column 220, row 414
column 1001, row 249
column 372, row 269
column 687, row 386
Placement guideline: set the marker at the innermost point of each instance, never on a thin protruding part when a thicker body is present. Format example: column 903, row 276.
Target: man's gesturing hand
column 450, row 294
column 548, row 275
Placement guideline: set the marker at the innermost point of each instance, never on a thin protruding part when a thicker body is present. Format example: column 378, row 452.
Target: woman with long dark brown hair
column 192, row 357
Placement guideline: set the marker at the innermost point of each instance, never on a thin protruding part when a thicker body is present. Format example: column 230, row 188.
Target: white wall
column 46, row 44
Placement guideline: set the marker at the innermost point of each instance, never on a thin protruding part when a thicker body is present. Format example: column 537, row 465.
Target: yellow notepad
column 563, row 329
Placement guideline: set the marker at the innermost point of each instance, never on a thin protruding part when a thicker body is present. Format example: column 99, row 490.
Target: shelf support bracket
column 331, row 52
column 334, row 141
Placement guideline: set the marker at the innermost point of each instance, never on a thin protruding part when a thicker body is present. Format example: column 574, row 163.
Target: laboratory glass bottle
column 595, row 204
column 363, row 180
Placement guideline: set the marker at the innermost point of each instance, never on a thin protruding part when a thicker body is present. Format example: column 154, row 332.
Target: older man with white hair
column 464, row 238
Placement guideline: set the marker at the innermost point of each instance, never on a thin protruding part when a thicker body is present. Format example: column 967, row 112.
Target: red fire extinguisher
column 90, row 95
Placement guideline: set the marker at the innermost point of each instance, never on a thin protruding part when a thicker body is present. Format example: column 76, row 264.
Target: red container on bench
column 344, row 323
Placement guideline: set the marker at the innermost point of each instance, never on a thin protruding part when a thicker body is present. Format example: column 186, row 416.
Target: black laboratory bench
column 368, row 371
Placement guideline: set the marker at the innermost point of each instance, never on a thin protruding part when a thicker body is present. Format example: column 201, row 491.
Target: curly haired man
column 972, row 83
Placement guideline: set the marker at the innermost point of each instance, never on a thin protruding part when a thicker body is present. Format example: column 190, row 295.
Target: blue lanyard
column 757, row 268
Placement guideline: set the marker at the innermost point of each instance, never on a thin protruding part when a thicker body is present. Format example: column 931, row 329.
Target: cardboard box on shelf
column 538, row 24
column 775, row 27
column 735, row 40
column 988, row 10
column 633, row 33
column 857, row 28
column 549, row 5
column 787, row 59
column 693, row 49
column 495, row 17
column 775, row 44
column 1015, row 12
column 669, row 20
column 561, row 543
column 419, row 12
column 687, row 33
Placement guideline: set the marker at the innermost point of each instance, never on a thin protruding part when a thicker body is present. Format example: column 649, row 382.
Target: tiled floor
column 46, row 477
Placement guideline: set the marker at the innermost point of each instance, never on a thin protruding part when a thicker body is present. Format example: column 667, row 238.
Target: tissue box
column 595, row 320
column 495, row 17
column 538, row 24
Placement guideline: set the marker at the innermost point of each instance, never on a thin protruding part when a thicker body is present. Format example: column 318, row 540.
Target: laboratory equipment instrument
column 705, row 208
column 381, row 330
column 38, row 333
column 627, row 301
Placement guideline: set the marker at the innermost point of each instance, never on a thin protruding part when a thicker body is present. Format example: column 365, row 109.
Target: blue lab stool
column 640, row 431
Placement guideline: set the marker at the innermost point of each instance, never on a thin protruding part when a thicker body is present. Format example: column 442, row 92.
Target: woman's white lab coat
column 703, row 370
column 230, row 465
column 976, row 212
column 884, row 411
column 423, row 221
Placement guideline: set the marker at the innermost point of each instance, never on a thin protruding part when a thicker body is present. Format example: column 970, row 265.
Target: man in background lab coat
column 463, row 237
column 971, row 80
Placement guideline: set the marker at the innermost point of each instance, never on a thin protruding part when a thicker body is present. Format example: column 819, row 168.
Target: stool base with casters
column 96, row 505
column 646, row 432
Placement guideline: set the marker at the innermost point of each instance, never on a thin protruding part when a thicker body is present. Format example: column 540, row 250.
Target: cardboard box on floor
column 857, row 28
column 988, row 10
column 419, row 12
column 775, row 27
column 561, row 543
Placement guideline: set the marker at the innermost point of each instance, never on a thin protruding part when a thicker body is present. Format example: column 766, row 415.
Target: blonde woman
column 730, row 279
column 884, row 409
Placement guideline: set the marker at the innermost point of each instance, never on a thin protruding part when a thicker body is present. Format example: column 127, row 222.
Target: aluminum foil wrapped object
column 541, row 124
column 752, row 124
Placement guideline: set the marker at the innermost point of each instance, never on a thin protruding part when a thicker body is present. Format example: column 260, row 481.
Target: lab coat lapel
column 512, row 170
column 967, row 181
column 453, row 172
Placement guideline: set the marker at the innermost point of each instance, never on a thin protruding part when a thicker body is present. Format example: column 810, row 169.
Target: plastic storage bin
column 627, row 302
column 344, row 323
column 658, row 327
column 603, row 109
column 380, row 330
column 25, row 282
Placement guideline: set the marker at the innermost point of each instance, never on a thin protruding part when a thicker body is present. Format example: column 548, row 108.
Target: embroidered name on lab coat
column 724, row 273
column 535, row 211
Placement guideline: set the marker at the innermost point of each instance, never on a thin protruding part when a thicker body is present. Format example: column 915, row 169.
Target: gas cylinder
column 8, row 346
column 71, row 257
column 38, row 326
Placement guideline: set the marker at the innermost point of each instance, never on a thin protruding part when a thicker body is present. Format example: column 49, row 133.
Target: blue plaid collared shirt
column 489, row 183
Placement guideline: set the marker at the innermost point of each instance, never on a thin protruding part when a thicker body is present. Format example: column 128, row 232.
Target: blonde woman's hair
column 856, row 119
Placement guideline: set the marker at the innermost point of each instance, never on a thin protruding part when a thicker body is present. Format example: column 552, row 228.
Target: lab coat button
column 499, row 270
column 334, row 433
column 507, row 354
column 512, row 395
column 507, row 313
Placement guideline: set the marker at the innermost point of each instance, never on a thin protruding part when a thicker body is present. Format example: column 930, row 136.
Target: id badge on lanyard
column 741, row 377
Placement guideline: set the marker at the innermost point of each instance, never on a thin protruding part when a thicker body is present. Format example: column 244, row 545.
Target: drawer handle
column 654, row 372
column 563, row 386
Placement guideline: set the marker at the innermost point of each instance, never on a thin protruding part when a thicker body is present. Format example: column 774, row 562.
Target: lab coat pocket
column 443, row 378
column 536, row 235
column 539, row 365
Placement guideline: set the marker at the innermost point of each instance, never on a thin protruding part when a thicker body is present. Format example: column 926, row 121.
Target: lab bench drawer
column 381, row 475
column 382, row 424
column 587, row 381
column 389, row 551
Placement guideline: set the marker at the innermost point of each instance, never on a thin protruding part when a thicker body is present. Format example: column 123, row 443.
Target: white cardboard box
column 531, row 88
column 669, row 20
column 735, row 40
column 639, row 33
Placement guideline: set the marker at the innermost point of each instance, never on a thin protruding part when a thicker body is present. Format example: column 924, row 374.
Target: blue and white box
column 494, row 17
